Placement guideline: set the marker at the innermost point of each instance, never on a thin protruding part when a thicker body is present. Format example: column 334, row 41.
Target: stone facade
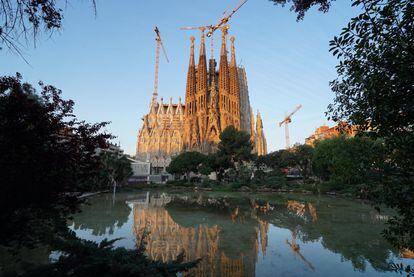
column 260, row 142
column 161, row 133
column 213, row 101
column 325, row 132
column 245, row 108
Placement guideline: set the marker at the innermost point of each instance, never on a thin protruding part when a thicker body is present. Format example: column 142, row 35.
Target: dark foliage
column 374, row 91
column 185, row 163
column 272, row 160
column 234, row 149
column 47, row 154
column 48, row 157
column 25, row 19
column 302, row 6
column 113, row 168
column 299, row 157
column 401, row 269
column 235, row 145
column 217, row 163
column 349, row 163
column 375, row 86
column 83, row 258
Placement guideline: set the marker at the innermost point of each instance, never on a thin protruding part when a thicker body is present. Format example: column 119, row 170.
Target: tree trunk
column 188, row 177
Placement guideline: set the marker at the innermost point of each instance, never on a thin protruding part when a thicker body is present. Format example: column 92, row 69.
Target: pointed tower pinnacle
column 190, row 99
column 179, row 109
column 191, row 81
column 234, row 88
column 201, row 95
column 233, row 52
column 202, row 77
column 261, row 144
column 259, row 122
column 224, row 80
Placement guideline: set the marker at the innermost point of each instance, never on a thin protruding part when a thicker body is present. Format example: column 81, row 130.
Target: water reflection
column 296, row 250
column 236, row 235
column 108, row 214
column 166, row 238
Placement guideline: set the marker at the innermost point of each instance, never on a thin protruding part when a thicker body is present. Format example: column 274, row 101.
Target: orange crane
column 286, row 121
column 157, row 62
column 212, row 28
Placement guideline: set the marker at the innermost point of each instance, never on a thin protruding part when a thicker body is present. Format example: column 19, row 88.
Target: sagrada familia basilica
column 214, row 100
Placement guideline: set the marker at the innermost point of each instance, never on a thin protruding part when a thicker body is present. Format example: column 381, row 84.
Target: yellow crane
column 212, row 28
column 157, row 62
column 286, row 121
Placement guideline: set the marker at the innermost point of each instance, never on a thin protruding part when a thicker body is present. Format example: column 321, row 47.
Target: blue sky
column 106, row 63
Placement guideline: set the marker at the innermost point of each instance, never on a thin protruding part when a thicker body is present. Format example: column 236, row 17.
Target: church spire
column 224, row 100
column 201, row 96
column 190, row 99
column 233, row 52
column 191, row 81
column 234, row 88
column 259, row 122
column 261, row 144
column 202, row 76
column 223, row 67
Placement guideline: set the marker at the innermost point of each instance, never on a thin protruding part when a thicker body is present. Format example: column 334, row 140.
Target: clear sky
column 106, row 63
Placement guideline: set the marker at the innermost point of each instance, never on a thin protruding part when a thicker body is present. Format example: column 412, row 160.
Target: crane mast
column 286, row 121
column 212, row 28
column 287, row 137
column 157, row 62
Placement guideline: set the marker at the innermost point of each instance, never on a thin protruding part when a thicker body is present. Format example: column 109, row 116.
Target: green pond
column 246, row 234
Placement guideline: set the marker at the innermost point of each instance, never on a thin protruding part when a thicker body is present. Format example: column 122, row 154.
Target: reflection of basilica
column 230, row 235
column 166, row 239
column 238, row 236
column 300, row 208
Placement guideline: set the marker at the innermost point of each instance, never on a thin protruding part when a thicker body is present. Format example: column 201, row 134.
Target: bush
column 344, row 162
column 179, row 183
column 207, row 183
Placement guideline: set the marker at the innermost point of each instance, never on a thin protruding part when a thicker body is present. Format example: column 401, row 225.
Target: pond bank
column 89, row 194
column 185, row 187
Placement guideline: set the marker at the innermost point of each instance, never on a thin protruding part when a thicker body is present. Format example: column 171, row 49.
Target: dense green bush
column 345, row 163
column 185, row 163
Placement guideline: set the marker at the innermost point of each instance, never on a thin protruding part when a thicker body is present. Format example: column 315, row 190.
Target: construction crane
column 157, row 62
column 203, row 29
column 225, row 18
column 286, row 121
column 212, row 28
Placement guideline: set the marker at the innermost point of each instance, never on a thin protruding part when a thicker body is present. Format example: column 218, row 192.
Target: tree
column 235, row 145
column 25, row 19
column 47, row 157
column 185, row 163
column 298, row 157
column 374, row 87
column 302, row 159
column 302, row 6
column 113, row 167
column 374, row 91
column 217, row 163
column 87, row 258
column 272, row 160
column 349, row 163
